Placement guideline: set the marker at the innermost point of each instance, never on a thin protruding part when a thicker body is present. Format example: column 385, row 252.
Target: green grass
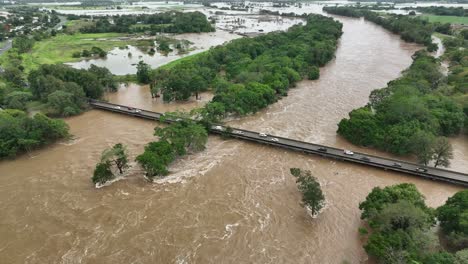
column 446, row 19
column 441, row 36
column 59, row 49
column 186, row 59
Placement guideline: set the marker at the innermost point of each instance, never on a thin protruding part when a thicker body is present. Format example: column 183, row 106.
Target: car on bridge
column 220, row 128
column 238, row 132
column 419, row 169
column 364, row 158
column 322, row 149
column 275, row 140
column 397, row 164
column 262, row 135
column 348, row 152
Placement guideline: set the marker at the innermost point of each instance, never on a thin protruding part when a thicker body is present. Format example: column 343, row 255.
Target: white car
column 238, row 132
column 137, row 110
column 262, row 135
column 220, row 128
column 275, row 139
column 348, row 152
column 117, row 107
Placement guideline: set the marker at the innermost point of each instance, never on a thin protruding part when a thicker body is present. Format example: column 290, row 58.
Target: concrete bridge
column 305, row 147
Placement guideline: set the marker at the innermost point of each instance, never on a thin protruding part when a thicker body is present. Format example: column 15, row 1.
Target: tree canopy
column 20, row 133
column 250, row 73
column 312, row 196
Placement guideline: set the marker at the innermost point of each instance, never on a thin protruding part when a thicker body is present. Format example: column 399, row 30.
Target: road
column 306, row 147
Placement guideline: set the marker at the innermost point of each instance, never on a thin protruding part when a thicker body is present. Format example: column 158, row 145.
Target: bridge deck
column 331, row 152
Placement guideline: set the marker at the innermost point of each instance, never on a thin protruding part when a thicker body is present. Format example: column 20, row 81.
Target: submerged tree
column 143, row 72
column 102, row 173
column 116, row 156
column 312, row 196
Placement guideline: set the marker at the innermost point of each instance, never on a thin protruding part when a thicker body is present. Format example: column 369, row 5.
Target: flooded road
column 232, row 203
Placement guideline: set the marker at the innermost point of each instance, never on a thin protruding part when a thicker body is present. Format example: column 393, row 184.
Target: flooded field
column 119, row 62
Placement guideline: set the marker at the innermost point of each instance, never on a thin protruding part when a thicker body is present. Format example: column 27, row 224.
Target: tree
column 184, row 135
column 378, row 198
column 312, row 196
column 453, row 217
column 20, row 133
column 461, row 257
column 422, row 146
column 17, row 100
column 143, row 72
column 156, row 158
column 314, row 73
column 443, row 152
column 117, row 155
column 102, row 173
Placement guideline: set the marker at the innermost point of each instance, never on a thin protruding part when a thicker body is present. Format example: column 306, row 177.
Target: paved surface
column 324, row 151
column 7, row 46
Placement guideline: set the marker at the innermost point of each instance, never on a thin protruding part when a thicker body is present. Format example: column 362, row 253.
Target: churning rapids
column 232, row 203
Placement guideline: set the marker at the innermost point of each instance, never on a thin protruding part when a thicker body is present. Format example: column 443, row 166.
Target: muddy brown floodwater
column 233, row 203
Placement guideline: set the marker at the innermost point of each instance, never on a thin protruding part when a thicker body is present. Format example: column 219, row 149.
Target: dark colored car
column 365, row 158
column 322, row 149
column 396, row 164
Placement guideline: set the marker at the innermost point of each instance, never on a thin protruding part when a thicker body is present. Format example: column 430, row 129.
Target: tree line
column 408, row 115
column 400, row 225
column 167, row 22
column 248, row 74
column 20, row 133
column 442, row 10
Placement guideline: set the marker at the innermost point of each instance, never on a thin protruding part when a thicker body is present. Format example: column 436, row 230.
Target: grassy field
column 75, row 25
column 186, row 59
column 446, row 19
column 59, row 49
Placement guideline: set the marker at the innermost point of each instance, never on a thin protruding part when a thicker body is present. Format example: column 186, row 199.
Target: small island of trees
column 400, row 225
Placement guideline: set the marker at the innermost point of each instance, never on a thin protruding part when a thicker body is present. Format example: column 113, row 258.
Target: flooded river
column 233, row 203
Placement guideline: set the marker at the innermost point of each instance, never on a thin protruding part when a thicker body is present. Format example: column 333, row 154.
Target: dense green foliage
column 411, row 29
column 248, row 74
column 400, row 223
column 408, row 110
column 168, row 22
column 312, row 196
column 65, row 89
column 174, row 140
column 443, row 10
column 143, row 73
column 453, row 217
column 117, row 157
column 102, row 173
column 23, row 44
column 20, row 133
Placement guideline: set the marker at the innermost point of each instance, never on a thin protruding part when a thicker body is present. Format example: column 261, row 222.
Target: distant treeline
column 168, row 22
column 441, row 10
column 250, row 73
column 410, row 28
